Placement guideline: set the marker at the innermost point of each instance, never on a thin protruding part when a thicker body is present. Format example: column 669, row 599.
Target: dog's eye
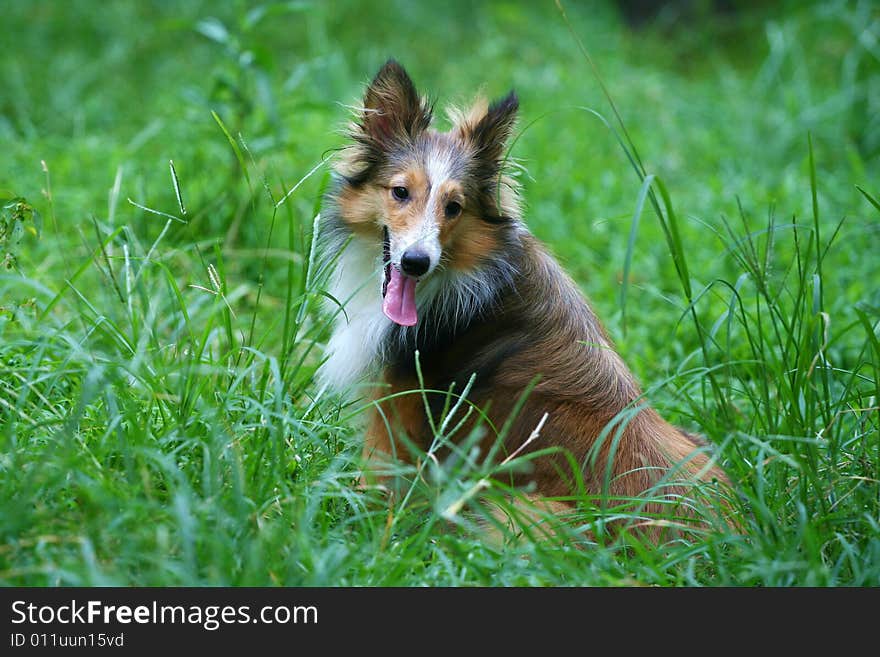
column 452, row 209
column 400, row 193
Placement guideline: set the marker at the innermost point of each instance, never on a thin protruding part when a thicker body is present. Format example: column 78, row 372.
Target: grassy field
column 160, row 327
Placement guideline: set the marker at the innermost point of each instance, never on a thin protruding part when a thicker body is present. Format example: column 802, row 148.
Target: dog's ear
column 392, row 106
column 490, row 133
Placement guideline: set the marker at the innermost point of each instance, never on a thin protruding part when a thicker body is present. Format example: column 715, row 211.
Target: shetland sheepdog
column 436, row 259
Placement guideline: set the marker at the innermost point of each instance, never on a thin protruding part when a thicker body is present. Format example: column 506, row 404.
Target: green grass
column 160, row 326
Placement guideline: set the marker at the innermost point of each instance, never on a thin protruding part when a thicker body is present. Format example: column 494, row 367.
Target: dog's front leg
column 378, row 451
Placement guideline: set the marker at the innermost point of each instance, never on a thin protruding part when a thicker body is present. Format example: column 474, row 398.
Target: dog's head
column 426, row 199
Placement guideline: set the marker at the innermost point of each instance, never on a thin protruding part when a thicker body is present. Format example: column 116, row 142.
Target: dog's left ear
column 491, row 133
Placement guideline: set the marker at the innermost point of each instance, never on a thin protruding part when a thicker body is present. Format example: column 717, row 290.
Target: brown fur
column 467, row 243
column 538, row 331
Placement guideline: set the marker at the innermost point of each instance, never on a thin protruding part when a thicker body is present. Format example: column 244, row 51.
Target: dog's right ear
column 393, row 109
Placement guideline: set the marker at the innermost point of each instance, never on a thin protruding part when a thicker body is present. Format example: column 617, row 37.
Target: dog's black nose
column 414, row 262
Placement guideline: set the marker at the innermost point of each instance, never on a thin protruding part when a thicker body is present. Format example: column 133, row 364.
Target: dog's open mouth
column 386, row 258
column 398, row 290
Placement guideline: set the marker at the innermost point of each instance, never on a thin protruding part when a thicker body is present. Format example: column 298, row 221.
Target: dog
column 434, row 259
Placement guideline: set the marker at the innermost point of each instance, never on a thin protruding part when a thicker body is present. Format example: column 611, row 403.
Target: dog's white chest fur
column 354, row 346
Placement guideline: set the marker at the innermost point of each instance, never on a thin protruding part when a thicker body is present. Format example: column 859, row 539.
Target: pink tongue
column 399, row 304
